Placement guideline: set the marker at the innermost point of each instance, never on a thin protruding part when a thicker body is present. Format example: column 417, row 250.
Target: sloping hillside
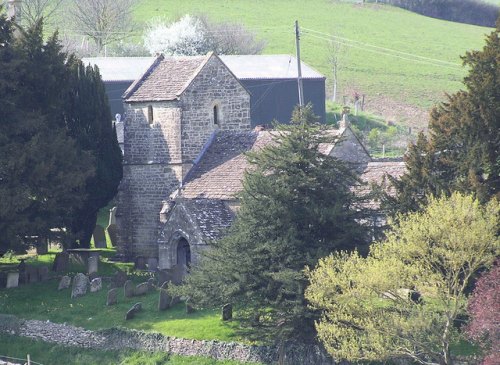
column 402, row 61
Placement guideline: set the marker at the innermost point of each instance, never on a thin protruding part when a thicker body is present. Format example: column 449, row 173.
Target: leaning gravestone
column 165, row 299
column 133, row 311
column 112, row 297
column 31, row 274
column 64, row 283
column 80, row 285
column 151, row 284
column 61, row 262
column 95, row 285
column 43, row 273
column 227, row 312
column 92, row 264
column 113, row 234
column 119, row 279
column 128, row 289
column 99, row 237
column 12, row 279
column 141, row 289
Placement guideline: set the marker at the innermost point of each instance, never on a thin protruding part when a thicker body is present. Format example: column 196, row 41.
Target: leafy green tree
column 296, row 206
column 88, row 118
column 462, row 151
column 403, row 298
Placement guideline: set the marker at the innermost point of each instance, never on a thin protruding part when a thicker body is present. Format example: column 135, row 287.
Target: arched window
column 183, row 253
column 216, row 114
column 150, row 114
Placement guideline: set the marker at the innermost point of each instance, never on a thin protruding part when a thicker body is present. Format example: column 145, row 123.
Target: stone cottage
column 186, row 130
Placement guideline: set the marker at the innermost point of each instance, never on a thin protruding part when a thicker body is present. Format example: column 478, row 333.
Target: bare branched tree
column 103, row 21
column 33, row 10
column 335, row 50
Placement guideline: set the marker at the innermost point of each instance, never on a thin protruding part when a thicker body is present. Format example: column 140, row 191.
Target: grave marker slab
column 137, row 307
column 95, row 285
column 128, row 289
column 112, row 297
column 12, row 279
column 119, row 279
column 80, row 285
column 99, row 237
column 61, row 262
column 64, row 283
column 92, row 265
column 227, row 312
column 141, row 289
column 165, row 299
column 31, row 274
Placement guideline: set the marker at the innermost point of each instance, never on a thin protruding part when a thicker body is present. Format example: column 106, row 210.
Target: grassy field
column 389, row 53
column 90, row 311
column 41, row 352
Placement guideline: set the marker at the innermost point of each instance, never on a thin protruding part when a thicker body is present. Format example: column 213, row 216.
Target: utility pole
column 299, row 70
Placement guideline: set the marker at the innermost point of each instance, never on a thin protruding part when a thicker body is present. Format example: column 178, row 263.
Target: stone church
column 187, row 126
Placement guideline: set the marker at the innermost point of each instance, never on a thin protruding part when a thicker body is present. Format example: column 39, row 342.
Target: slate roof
column 166, row 79
column 268, row 67
column 211, row 216
column 219, row 173
column 120, row 68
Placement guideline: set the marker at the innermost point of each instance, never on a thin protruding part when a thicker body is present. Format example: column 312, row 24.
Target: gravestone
column 119, row 279
column 189, row 308
column 93, row 276
column 80, row 285
column 128, row 289
column 141, row 289
column 152, row 264
column 133, row 311
column 42, row 246
column 140, row 263
column 163, row 276
column 112, row 216
column 43, row 273
column 165, row 299
column 113, row 234
column 227, row 312
column 92, row 264
column 31, row 274
column 22, row 272
column 112, row 297
column 61, row 262
column 95, row 285
column 12, row 279
column 151, row 284
column 177, row 274
column 99, row 237
column 64, row 283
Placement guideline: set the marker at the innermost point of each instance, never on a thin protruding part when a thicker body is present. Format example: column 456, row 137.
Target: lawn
column 44, row 353
column 388, row 52
column 46, row 302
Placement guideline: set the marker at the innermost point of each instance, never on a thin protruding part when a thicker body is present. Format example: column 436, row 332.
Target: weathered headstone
column 80, row 285
column 43, row 273
column 163, row 275
column 92, row 264
column 128, row 289
column 177, row 274
column 99, row 237
column 140, row 263
column 64, row 283
column 31, row 274
column 23, row 279
column 165, row 299
column 95, row 285
column 152, row 264
column 189, row 307
column 227, row 312
column 133, row 311
column 61, row 262
column 113, row 234
column 151, row 284
column 119, row 279
column 112, row 297
column 93, row 275
column 12, row 279
column 141, row 289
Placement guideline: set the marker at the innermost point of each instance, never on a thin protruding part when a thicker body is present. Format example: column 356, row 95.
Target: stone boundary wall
column 118, row 339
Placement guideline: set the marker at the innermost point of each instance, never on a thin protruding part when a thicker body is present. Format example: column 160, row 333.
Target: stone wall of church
column 214, row 86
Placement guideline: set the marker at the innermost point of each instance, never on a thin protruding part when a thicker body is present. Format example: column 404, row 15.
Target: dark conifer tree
column 462, row 151
column 296, row 207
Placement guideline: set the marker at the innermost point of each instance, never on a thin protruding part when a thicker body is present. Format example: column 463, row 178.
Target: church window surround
column 150, row 114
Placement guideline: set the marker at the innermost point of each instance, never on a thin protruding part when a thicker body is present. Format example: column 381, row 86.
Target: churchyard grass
column 402, row 76
column 44, row 353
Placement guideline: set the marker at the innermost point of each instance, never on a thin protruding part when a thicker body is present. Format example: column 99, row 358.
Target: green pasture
column 388, row 52
column 44, row 353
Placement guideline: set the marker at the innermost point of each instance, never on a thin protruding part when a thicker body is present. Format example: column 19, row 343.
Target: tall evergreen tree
column 42, row 169
column 296, row 207
column 462, row 151
column 89, row 121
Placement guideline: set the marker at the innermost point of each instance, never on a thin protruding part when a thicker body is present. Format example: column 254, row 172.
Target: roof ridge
column 135, row 85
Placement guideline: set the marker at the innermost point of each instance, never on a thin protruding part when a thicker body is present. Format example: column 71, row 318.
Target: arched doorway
column 183, row 254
